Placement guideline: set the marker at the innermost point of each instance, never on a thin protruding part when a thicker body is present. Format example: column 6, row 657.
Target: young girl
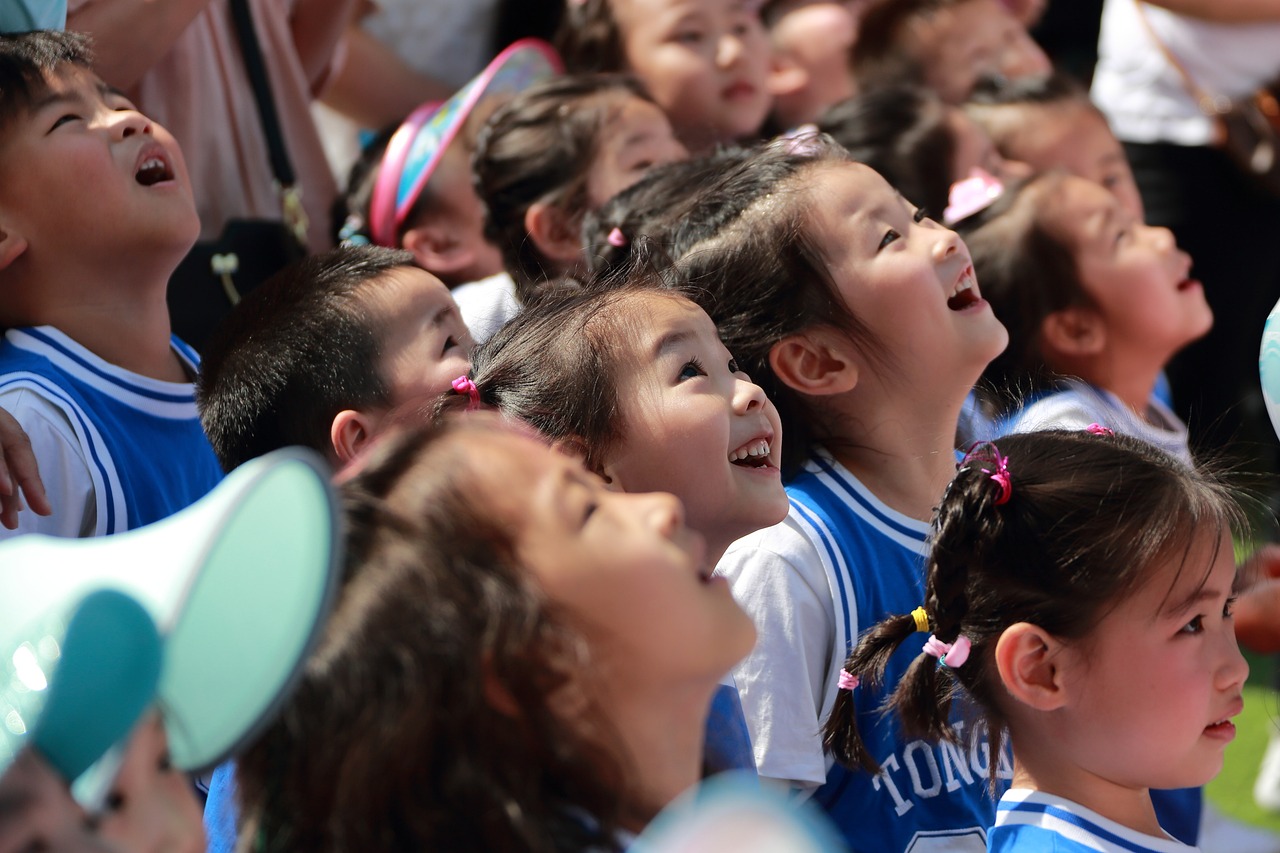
column 705, row 62
column 556, row 151
column 667, row 410
column 863, row 322
column 492, row 678
column 1050, row 123
column 1079, row 589
column 1096, row 304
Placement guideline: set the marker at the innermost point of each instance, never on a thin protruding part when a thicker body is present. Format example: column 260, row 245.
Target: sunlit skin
column 636, row 137
column 695, row 425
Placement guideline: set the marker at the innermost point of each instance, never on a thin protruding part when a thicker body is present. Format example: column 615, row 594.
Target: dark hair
column 555, row 366
column 26, row 60
column 1087, row 520
column 392, row 741
column 879, row 55
column 295, row 352
column 539, row 147
column 902, row 132
column 742, row 245
column 589, row 39
column 349, row 216
column 1026, row 273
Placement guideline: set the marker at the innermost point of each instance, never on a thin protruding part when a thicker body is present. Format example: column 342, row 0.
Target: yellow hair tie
column 922, row 619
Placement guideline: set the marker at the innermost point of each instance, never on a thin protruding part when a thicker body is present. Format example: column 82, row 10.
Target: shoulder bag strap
column 295, row 216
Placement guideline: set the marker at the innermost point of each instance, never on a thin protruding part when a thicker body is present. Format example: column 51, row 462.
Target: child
column 917, row 143
column 320, row 353
column 811, row 42
column 863, row 322
column 667, row 410
column 705, row 62
column 1050, row 123
column 1096, row 304
column 88, row 366
column 552, row 153
column 492, row 679
column 951, row 46
column 1079, row 589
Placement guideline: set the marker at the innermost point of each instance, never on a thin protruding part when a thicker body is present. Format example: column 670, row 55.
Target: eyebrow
column 1195, row 599
column 13, row 804
column 672, row 341
column 50, row 97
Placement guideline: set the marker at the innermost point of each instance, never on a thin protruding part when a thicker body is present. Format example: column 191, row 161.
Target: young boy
column 320, row 352
column 95, row 213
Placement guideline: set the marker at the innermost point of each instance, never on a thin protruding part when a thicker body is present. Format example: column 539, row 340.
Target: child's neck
column 662, row 730
column 904, row 451
column 1059, row 776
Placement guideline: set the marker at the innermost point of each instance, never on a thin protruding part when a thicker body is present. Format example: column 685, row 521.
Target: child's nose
column 747, row 397
column 947, row 244
column 663, row 512
column 729, row 49
column 125, row 123
column 1234, row 669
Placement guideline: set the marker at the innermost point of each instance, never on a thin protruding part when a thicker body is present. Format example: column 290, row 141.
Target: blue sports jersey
column 928, row 797
column 1035, row 822
column 147, row 453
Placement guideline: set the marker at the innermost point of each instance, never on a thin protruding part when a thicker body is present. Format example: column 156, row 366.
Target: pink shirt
column 200, row 91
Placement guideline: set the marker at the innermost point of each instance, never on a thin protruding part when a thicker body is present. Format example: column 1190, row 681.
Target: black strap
column 251, row 50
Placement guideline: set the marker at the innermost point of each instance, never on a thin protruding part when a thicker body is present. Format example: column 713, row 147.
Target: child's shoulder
column 1036, row 822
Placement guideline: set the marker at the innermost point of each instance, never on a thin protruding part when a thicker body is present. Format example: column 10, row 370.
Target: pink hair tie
column 950, row 655
column 616, row 238
column 464, row 385
column 848, row 681
column 1099, row 429
column 1000, row 475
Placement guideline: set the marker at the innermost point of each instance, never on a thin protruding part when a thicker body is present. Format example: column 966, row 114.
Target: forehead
column 655, row 317
column 404, row 293
column 1077, row 209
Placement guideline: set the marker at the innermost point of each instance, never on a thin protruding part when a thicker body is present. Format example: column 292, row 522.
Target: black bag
column 215, row 274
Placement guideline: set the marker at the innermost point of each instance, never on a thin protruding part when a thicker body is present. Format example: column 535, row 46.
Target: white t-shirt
column 486, row 304
column 1145, row 98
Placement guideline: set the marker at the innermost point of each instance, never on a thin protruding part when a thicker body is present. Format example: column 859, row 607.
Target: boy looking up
column 95, row 213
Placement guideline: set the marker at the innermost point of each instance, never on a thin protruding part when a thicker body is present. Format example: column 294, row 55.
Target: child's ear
column 786, row 76
column 438, row 248
column 349, row 433
column 552, row 232
column 1027, row 660
column 814, row 362
column 12, row 245
column 1075, row 331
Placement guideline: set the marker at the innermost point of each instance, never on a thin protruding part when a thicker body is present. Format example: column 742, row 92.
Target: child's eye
column 689, row 37
column 889, row 237
column 1229, row 609
column 449, row 343
column 733, row 366
column 1195, row 626
column 691, row 370
column 64, row 119
column 920, row 215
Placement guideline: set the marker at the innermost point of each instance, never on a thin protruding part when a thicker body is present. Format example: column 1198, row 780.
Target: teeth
column 755, row 448
column 151, row 163
column 965, row 284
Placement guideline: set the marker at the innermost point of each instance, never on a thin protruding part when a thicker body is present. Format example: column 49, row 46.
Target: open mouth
column 966, row 292
column 753, row 454
column 153, row 170
column 1188, row 284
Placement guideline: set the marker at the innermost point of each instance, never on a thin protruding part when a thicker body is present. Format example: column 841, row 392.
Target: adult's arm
column 130, row 36
column 318, row 26
column 1224, row 11
column 374, row 87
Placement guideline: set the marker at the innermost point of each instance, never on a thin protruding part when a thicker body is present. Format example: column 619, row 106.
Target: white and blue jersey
column 844, row 550
column 137, row 442
column 1036, row 822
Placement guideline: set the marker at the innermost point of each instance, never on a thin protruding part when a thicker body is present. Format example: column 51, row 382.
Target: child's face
column 960, row 45
column 424, row 343
column 975, row 150
column 635, row 138
column 695, row 425
column 911, row 282
column 813, row 37
column 1134, row 273
column 37, row 812
column 85, row 172
column 705, row 62
column 1159, row 680
column 152, row 807
column 619, row 564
